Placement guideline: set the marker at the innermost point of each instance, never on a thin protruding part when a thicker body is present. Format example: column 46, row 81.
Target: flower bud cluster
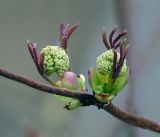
column 110, row 74
column 104, row 63
column 55, row 60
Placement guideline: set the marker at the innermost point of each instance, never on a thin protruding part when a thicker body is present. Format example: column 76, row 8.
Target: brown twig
column 86, row 99
column 132, row 119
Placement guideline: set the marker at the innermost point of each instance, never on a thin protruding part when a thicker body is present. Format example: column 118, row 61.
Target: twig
column 87, row 99
column 132, row 119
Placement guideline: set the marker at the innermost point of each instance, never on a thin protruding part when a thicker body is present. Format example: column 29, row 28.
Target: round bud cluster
column 104, row 63
column 55, row 60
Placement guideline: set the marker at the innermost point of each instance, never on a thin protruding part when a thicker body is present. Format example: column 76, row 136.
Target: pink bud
column 69, row 80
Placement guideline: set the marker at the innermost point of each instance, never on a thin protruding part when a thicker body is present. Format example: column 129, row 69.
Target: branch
column 86, row 99
column 132, row 119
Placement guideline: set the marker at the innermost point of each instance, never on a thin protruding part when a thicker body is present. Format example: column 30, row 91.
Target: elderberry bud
column 55, row 60
column 110, row 74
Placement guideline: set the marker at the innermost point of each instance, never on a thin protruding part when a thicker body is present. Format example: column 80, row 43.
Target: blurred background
column 22, row 107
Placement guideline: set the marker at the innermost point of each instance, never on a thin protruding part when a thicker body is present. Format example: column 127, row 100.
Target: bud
column 71, row 81
column 111, row 72
column 104, row 63
column 55, row 60
column 102, row 83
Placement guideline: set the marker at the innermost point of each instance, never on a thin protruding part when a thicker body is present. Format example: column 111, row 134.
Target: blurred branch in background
column 86, row 99
column 123, row 16
column 31, row 132
column 153, row 46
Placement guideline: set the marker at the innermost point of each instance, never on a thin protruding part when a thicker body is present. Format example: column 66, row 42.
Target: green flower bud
column 101, row 78
column 111, row 72
column 55, row 60
column 104, row 63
